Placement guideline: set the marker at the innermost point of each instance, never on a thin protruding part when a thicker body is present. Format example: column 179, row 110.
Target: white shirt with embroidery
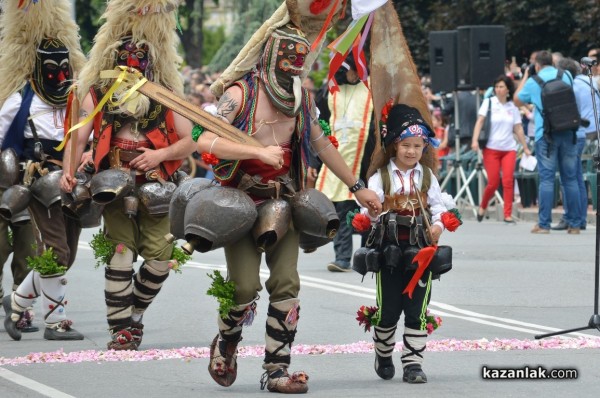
column 434, row 194
column 49, row 121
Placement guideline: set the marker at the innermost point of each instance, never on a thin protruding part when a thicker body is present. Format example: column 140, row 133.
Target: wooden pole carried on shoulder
column 189, row 111
column 74, row 120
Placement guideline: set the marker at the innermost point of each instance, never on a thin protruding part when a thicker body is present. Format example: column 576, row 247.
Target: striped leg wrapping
column 282, row 319
column 147, row 283
column 385, row 340
column 414, row 346
column 118, row 295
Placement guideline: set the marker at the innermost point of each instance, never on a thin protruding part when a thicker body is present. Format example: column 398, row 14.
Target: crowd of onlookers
column 442, row 112
column 197, row 83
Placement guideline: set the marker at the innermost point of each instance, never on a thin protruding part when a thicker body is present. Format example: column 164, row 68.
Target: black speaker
column 442, row 60
column 481, row 52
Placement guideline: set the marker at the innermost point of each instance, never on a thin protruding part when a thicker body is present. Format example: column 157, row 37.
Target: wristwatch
column 357, row 186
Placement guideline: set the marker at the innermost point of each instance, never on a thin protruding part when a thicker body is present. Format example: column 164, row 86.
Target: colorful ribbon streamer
column 423, row 259
column 121, row 75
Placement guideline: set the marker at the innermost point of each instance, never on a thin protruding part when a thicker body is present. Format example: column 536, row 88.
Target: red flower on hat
column 385, row 112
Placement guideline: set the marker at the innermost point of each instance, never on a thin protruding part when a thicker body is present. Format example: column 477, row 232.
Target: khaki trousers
column 143, row 234
column 243, row 266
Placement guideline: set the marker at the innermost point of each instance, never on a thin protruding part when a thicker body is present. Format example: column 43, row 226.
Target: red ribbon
column 334, row 65
column 423, row 258
column 317, row 6
column 315, row 43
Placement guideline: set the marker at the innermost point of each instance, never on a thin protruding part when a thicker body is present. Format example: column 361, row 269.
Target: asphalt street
column 507, row 285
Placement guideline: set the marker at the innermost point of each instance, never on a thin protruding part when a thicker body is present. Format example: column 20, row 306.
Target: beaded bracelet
column 197, row 132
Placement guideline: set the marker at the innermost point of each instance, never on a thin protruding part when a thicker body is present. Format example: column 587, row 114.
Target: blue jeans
column 561, row 154
column 583, row 197
column 342, row 242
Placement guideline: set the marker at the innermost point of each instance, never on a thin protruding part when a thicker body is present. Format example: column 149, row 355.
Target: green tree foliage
column 213, row 40
column 88, row 17
column 568, row 26
column 192, row 39
column 257, row 12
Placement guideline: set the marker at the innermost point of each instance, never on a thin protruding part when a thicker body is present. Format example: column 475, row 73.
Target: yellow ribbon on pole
column 121, row 77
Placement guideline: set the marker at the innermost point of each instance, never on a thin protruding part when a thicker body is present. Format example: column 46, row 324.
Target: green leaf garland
column 46, row 263
column 103, row 248
column 223, row 291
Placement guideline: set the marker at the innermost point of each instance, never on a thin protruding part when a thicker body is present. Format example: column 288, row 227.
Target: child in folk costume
column 410, row 194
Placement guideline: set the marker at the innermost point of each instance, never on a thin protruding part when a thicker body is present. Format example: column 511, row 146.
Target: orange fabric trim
column 156, row 137
column 361, row 137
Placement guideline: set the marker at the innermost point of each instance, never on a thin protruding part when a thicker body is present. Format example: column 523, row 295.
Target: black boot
column 385, row 342
column 413, row 374
column 384, row 367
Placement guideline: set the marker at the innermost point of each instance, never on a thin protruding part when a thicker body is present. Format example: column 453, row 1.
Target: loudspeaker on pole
column 442, row 60
column 481, row 51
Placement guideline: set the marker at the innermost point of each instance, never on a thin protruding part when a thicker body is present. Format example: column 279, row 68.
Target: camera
column 530, row 68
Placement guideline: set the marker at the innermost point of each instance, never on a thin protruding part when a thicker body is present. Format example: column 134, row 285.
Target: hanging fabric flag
column 361, row 8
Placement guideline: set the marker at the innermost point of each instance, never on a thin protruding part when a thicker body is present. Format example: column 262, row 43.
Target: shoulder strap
column 425, row 179
column 386, row 180
column 538, row 80
column 588, row 83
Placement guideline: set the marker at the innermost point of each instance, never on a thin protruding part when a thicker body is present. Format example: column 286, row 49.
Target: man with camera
column 553, row 148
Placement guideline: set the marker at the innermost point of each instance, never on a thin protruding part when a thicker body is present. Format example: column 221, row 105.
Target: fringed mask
column 52, row 73
column 134, row 55
column 281, row 66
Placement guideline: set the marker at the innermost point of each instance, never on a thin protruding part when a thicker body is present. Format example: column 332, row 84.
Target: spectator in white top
column 500, row 152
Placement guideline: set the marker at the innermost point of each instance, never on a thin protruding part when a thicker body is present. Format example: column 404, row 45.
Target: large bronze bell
column 78, row 197
column 14, row 200
column 182, row 195
column 314, row 214
column 156, row 196
column 217, row 216
column 110, row 185
column 21, row 218
column 90, row 214
column 46, row 189
column 310, row 243
column 9, row 168
column 272, row 223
